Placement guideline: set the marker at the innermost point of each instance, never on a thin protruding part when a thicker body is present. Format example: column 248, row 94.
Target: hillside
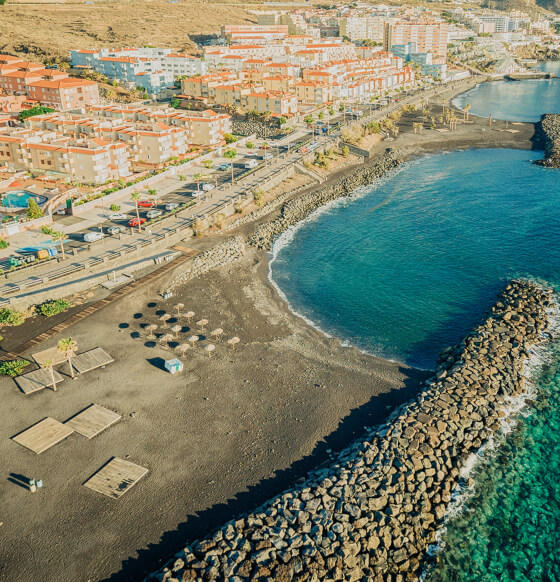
column 527, row 5
column 51, row 30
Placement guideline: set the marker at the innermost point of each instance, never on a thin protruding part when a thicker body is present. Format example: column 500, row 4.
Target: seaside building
column 48, row 87
column 429, row 37
column 153, row 69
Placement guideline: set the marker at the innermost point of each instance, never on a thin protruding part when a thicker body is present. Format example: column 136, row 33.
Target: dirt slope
column 52, row 30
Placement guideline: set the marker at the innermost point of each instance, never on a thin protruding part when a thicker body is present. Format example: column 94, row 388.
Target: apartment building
column 47, row 87
column 363, row 27
column 274, row 102
column 153, row 69
column 430, row 37
column 203, row 128
column 314, row 93
column 250, row 34
column 90, row 161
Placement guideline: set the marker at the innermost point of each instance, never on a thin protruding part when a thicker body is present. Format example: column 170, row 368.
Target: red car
column 147, row 204
column 135, row 222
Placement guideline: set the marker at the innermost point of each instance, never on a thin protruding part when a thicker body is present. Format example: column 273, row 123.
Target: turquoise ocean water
column 515, row 100
column 407, row 269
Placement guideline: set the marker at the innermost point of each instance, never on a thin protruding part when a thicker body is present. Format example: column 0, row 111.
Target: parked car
column 93, row 236
column 207, row 186
column 154, row 213
column 171, row 206
column 251, row 164
column 223, row 167
column 136, row 222
column 197, row 193
column 267, row 156
column 117, row 216
column 147, row 203
column 113, row 230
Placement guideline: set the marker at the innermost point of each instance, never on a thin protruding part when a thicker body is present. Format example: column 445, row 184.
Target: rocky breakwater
column 225, row 253
column 300, row 208
column 372, row 513
column 548, row 132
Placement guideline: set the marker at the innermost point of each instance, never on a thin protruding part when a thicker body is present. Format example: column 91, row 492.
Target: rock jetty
column 299, row 208
column 548, row 132
column 372, row 513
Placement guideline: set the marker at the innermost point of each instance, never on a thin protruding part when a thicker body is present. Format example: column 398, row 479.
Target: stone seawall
column 222, row 254
column 372, row 513
column 548, row 132
column 299, row 208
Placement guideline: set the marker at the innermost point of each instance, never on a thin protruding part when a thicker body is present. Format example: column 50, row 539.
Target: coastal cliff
column 548, row 132
column 373, row 512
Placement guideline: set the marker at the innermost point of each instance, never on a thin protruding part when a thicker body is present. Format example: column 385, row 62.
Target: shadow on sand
column 206, row 520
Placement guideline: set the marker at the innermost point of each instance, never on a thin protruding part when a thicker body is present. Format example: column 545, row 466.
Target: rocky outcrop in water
column 372, row 514
column 299, row 208
column 548, row 132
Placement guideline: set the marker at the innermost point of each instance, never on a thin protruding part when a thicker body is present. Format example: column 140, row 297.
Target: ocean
column 515, row 100
column 407, row 268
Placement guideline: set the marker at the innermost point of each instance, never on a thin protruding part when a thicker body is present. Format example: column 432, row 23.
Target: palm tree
column 231, row 154
column 59, row 236
column 48, row 365
column 197, row 178
column 135, row 197
column 207, row 164
column 466, row 112
column 68, row 347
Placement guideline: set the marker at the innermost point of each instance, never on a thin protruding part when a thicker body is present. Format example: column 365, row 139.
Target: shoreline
column 264, row 236
column 248, row 428
column 377, row 508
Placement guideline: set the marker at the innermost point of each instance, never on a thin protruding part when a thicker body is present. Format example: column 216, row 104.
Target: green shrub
column 114, row 207
column 11, row 316
column 46, row 230
column 4, row 243
column 250, row 145
column 33, row 210
column 229, row 138
column 50, row 308
column 13, row 368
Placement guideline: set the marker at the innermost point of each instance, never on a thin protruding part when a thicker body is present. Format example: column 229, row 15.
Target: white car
column 267, row 156
column 93, row 236
column 153, row 213
column 171, row 206
column 117, row 216
column 207, row 187
column 197, row 193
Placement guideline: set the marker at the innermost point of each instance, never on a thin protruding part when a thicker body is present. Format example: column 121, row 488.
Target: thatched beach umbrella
column 202, row 323
column 193, row 339
column 183, row 348
column 151, row 328
column 166, row 338
column 232, row 341
column 216, row 333
column 189, row 315
column 177, row 329
column 178, row 307
column 209, row 348
column 165, row 317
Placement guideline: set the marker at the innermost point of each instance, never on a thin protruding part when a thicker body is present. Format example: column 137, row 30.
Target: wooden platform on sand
column 43, row 435
column 37, row 380
column 52, row 354
column 90, row 360
column 116, row 477
column 92, row 420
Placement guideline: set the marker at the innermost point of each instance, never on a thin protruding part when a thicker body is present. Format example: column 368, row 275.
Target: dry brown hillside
column 48, row 30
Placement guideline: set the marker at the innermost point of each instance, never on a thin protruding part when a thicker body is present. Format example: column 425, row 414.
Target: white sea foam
column 515, row 408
